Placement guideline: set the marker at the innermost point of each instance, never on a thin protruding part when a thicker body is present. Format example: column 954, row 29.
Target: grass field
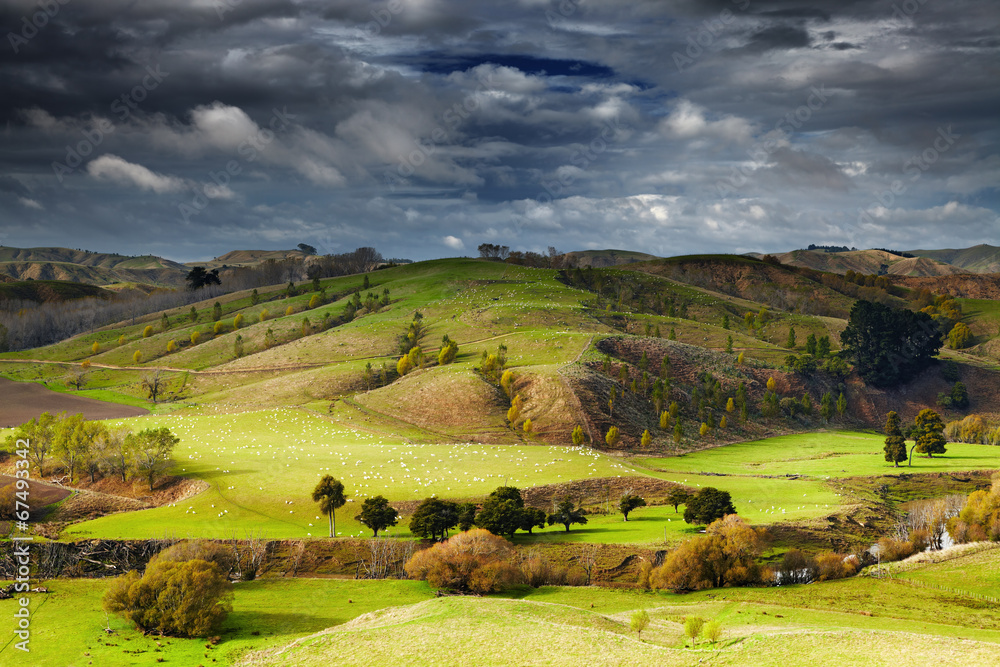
column 824, row 454
column 879, row 622
column 262, row 467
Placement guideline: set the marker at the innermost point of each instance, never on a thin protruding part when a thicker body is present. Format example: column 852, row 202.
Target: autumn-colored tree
column 664, row 420
column 730, row 405
column 403, row 365
column 612, row 437
column 121, row 339
column 147, row 331
column 703, row 429
column 171, row 345
column 476, row 561
column 137, row 356
column 514, row 411
column 289, row 311
column 739, row 358
column 577, row 435
column 95, row 348
column 723, row 423
column 646, row 439
column 960, row 336
column 507, row 382
column 218, row 327
column 238, row 321
column 262, row 316
column 195, row 337
column 314, row 301
column 329, row 493
column 771, row 384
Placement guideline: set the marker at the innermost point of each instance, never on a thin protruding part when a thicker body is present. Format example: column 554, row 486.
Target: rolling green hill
column 49, row 290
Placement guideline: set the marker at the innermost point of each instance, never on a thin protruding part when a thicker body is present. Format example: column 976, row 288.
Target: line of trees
column 80, row 447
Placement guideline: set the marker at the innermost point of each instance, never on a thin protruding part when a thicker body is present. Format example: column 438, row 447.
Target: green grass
column 67, row 624
column 255, row 462
column 823, row 454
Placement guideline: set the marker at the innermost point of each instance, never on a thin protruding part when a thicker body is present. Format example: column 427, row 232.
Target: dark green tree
column 929, row 433
column 707, row 505
column 677, row 496
column 501, row 513
column 823, row 347
column 377, row 514
column 629, row 502
column 567, row 515
column 466, row 516
column 895, row 444
column 811, row 345
column 433, row 518
column 889, row 347
column 960, row 395
column 329, row 493
column 199, row 277
column 532, row 517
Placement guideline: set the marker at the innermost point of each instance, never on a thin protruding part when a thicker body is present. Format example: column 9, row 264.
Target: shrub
column 183, row 598
column 195, row 337
column 148, row 331
column 137, row 356
column 171, row 345
column 476, row 560
column 836, row 566
column 891, row 549
column 645, row 570
column 263, row 315
column 725, row 556
column 238, row 321
column 314, row 301
column 289, row 311
column 218, row 327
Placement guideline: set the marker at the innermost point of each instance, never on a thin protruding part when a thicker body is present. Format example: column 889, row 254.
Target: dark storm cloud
column 427, row 126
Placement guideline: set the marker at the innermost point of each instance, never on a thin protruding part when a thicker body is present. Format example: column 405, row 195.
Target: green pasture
column 822, row 455
column 261, row 468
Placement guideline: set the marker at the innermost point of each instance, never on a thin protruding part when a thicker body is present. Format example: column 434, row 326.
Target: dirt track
column 21, row 401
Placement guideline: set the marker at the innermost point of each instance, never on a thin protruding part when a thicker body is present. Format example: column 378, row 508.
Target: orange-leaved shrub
column 725, row 556
column 979, row 520
column 476, row 561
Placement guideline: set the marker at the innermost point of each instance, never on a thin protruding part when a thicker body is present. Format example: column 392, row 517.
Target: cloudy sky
column 188, row 128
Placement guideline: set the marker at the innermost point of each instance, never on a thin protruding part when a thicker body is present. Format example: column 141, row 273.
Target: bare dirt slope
column 22, row 401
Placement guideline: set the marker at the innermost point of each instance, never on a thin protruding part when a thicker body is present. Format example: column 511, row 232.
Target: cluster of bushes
column 477, row 561
column 972, row 429
column 79, row 446
column 979, row 520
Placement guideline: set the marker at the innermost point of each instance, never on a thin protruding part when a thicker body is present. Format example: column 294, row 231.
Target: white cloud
column 113, row 168
column 454, row 242
column 30, row 203
column 689, row 121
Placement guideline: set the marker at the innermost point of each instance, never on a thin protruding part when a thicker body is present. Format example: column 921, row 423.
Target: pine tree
column 729, row 344
column 895, row 444
column 664, row 420
column 841, row 405
column 678, row 431
column 790, row 343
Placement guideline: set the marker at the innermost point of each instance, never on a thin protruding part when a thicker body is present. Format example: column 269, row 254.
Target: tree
column 182, row 598
column 928, row 434
column 238, row 346
column 577, row 435
column 377, row 514
column 826, row 406
column 895, row 444
column 531, row 518
column 725, row 321
column 467, row 516
column 151, row 451
column 195, row 337
column 959, row 395
column 154, row 384
column 790, row 343
column 502, row 513
column 403, row 365
column 567, row 515
column 147, row 331
column 960, row 336
column 449, row 351
column 823, row 347
column 200, row 277
column 514, row 412
column 678, row 431
column 612, row 437
column 693, row 626
column 116, row 449
column 889, row 346
column 93, row 455
column 527, row 426
column 677, row 496
column 254, row 297
column 703, row 429
column 811, row 345
column 216, row 312
column 433, row 518
column 712, row 631
column 841, row 405
column 629, row 502
column 307, row 249
column 171, row 345
column 707, row 505
column 639, row 621
column 238, row 321
column 329, row 493
column 664, row 420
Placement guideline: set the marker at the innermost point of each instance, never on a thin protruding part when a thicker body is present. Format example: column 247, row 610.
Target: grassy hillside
column 982, row 258
column 88, row 267
column 248, row 258
column 49, row 290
